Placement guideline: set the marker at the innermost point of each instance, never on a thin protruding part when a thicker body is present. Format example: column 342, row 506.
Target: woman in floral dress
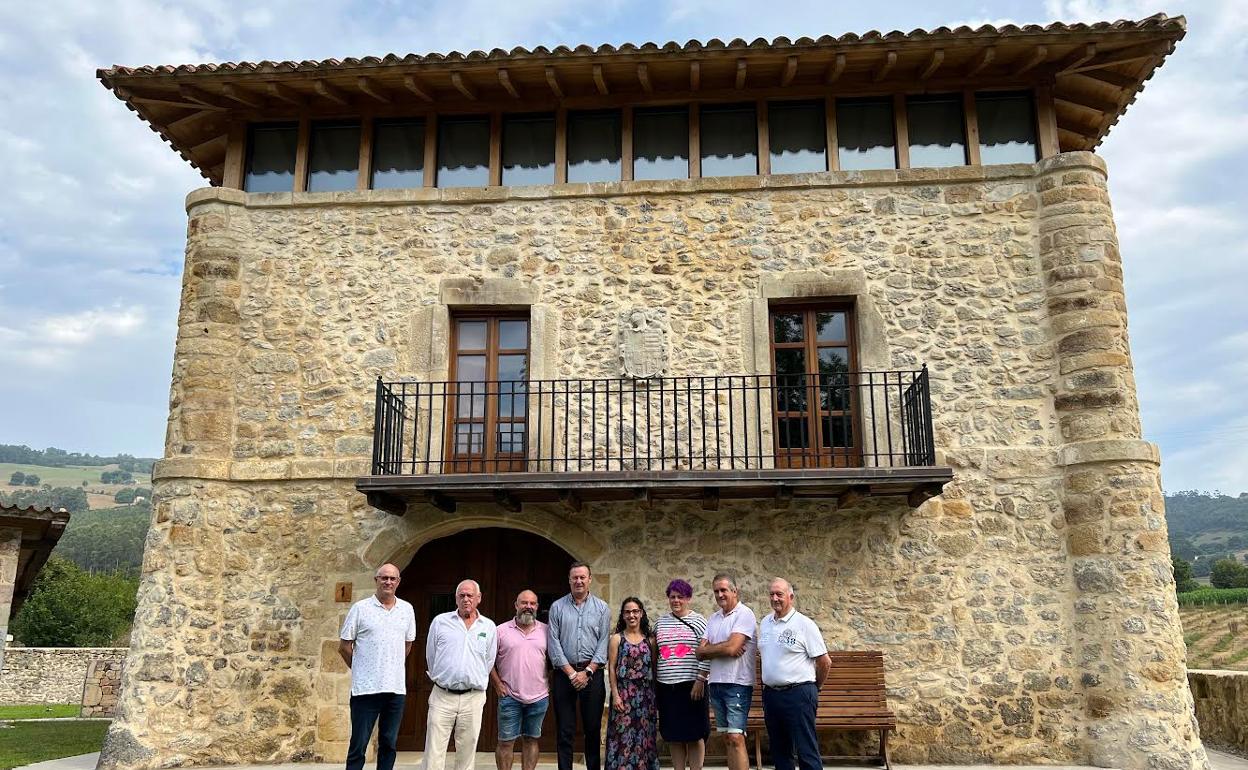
column 632, row 728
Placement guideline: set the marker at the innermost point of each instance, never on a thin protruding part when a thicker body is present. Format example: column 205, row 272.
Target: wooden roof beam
column 933, row 64
column 552, row 79
column 186, row 120
column 835, row 69
column 1087, row 102
column 184, row 104
column 885, row 67
column 415, row 86
column 245, row 98
column 1108, row 77
column 741, row 65
column 199, row 96
column 695, row 75
column 371, row 88
column 331, row 92
column 643, row 76
column 984, row 58
column 463, row 86
column 600, row 82
column 1038, row 55
column 285, row 94
column 215, row 142
column 504, row 79
column 1077, row 58
column 790, row 71
column 1121, row 56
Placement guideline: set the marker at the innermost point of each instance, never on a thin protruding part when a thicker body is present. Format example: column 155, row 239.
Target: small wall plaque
column 342, row 592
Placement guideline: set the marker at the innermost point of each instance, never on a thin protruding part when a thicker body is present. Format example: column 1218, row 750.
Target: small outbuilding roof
column 41, row 528
column 1095, row 71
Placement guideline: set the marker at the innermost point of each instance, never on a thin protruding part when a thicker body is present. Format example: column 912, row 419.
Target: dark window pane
column 528, row 149
column 791, row 361
column 837, row 432
column 1007, row 128
column 511, row 437
column 831, row 327
column 398, row 154
column 791, row 380
column 271, row 159
column 469, row 438
column 513, row 335
column 787, row 327
column 463, row 152
column 661, row 143
column 792, row 432
column 797, row 137
column 471, row 335
column 729, row 140
column 834, row 378
column 936, row 135
column 333, row 157
column 864, row 134
column 594, row 146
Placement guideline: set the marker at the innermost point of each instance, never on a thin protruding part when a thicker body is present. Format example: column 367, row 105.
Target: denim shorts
column 516, row 719
column 731, row 703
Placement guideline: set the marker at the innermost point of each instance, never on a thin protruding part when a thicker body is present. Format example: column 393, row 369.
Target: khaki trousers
column 449, row 714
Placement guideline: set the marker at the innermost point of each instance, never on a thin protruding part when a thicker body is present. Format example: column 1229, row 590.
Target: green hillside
column 1206, row 527
column 110, row 540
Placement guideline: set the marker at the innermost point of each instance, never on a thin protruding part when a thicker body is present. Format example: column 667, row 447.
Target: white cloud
column 53, row 341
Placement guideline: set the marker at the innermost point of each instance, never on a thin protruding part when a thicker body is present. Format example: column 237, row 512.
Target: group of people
column 658, row 677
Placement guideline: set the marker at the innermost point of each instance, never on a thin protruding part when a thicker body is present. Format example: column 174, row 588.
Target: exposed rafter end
column 418, row 88
column 852, row 495
column 790, row 71
column 600, row 82
column 886, row 66
column 552, row 79
column 643, row 77
column 984, row 58
column 331, row 92
column 835, row 69
column 282, row 93
column 371, row 88
column 245, row 98
column 1038, row 55
column 504, row 79
column 1077, row 58
column 695, row 75
column 463, row 86
column 933, row 64
column 741, row 70
column 199, row 96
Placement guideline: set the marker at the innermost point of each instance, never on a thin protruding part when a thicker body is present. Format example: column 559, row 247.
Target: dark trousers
column 568, row 701
column 369, row 710
column 790, row 719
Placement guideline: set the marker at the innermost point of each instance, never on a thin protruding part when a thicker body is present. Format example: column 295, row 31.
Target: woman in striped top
column 683, row 720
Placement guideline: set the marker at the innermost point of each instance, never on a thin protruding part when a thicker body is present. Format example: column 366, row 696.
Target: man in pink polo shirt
column 519, row 678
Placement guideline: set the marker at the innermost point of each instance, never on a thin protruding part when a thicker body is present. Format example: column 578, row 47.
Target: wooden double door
column 504, row 562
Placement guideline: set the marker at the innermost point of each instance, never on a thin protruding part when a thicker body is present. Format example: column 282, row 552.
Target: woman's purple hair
column 680, row 588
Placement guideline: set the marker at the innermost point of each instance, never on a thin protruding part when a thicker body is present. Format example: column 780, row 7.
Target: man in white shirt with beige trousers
column 459, row 655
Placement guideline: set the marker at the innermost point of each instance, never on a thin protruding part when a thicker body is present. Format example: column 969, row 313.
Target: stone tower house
column 846, row 310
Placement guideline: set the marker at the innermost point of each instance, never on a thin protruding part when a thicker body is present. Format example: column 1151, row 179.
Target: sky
column 92, row 225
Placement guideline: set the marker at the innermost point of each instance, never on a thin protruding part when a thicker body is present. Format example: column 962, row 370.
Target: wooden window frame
column 489, row 460
column 828, row 104
column 244, row 153
column 815, row 455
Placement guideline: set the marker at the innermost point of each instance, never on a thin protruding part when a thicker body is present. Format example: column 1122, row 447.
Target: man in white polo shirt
column 375, row 640
column 729, row 645
column 459, row 654
column 795, row 663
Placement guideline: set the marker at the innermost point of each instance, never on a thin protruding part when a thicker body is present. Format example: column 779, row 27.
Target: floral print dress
column 632, row 734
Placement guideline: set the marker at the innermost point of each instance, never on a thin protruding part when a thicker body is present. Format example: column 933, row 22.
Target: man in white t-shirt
column 375, row 640
column 729, row 645
column 795, row 663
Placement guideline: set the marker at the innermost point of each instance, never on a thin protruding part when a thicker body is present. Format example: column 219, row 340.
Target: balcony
column 839, row 435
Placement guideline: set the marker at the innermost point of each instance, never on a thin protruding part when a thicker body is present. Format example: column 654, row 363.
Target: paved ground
column 410, row 760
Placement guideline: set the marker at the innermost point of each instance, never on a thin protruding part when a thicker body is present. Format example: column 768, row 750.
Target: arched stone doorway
column 504, row 562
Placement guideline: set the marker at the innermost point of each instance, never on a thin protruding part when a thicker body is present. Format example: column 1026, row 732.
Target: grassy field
column 39, row 711
column 1217, row 637
column 26, row 742
column 99, row 495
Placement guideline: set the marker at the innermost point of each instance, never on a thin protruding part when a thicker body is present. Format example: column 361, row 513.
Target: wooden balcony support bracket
column 982, row 61
column 922, row 494
column 644, row 496
column 441, row 502
column 508, row 501
column 710, row 499
column 886, row 66
column 371, row 88
column 790, row 71
column 243, row 97
column 741, row 70
column 418, row 88
column 463, row 86
column 784, row 497
column 835, row 69
column 391, row 504
column 552, row 79
column 933, row 64
column 570, row 500
column 643, row 77
column 285, row 94
column 852, row 495
column 600, row 82
column 1037, row 57
column 331, row 92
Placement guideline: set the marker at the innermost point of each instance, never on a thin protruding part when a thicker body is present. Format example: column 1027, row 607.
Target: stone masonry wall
column 10, row 551
column 50, row 674
column 102, row 688
column 1027, row 614
column 1222, row 707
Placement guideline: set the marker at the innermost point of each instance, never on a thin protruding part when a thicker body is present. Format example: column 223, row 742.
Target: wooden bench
column 852, row 698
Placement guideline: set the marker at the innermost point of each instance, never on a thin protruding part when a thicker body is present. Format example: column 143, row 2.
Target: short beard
column 525, row 618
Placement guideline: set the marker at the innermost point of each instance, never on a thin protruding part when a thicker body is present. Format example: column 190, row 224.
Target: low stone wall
column 1221, row 699
column 99, row 694
column 52, row 674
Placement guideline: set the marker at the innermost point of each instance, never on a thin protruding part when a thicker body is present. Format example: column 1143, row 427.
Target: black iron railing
column 719, row 422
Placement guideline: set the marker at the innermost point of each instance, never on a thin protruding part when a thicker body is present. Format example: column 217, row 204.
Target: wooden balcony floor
column 779, row 485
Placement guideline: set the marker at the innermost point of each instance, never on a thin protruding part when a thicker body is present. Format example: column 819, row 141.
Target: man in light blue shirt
column 579, row 628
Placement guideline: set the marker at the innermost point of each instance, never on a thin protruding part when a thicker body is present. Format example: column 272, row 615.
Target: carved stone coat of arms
column 644, row 343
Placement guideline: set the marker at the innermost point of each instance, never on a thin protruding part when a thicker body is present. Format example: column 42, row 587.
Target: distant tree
column 124, row 496
column 17, row 479
column 69, row 607
column 1183, row 581
column 106, row 540
column 84, row 483
column 1228, row 573
column 72, row 499
column 116, row 477
column 31, row 480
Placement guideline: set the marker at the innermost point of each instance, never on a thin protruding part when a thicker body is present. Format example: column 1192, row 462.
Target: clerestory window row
column 668, row 142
